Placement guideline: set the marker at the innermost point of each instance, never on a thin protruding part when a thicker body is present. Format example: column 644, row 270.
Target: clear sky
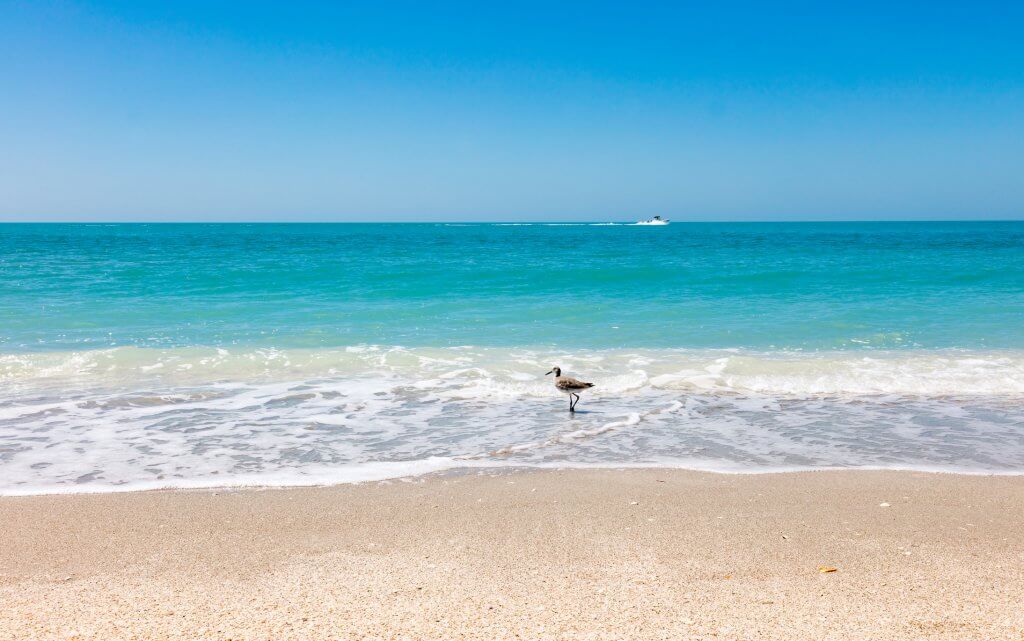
column 207, row 110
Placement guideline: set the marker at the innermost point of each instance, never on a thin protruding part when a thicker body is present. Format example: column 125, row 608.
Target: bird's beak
column 549, row 372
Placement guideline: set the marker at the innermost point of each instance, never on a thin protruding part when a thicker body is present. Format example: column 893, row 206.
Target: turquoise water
column 759, row 286
column 197, row 355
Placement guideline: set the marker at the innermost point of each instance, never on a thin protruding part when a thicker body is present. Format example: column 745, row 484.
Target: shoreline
column 430, row 469
column 206, row 416
column 560, row 554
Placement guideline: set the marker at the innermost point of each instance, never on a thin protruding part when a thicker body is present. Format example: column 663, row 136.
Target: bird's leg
column 576, row 402
column 572, row 407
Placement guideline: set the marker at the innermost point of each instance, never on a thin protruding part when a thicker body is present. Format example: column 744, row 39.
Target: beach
column 351, row 321
column 549, row 554
column 346, row 432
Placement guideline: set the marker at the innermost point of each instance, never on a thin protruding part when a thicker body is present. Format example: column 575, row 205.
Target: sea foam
column 129, row 418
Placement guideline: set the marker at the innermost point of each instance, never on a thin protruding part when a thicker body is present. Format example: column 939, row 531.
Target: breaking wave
column 129, row 418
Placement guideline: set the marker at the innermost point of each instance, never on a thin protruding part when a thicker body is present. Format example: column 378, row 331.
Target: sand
column 575, row 554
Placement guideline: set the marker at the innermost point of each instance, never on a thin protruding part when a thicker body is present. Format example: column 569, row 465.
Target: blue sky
column 213, row 110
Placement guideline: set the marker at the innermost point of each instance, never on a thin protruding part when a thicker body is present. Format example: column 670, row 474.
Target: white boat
column 657, row 220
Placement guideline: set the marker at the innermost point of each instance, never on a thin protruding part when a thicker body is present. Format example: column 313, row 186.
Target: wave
column 519, row 371
column 133, row 418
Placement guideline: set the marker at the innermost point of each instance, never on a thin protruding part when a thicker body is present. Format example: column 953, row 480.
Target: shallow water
column 191, row 355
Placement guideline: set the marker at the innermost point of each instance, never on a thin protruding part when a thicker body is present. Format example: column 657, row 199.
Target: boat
column 657, row 220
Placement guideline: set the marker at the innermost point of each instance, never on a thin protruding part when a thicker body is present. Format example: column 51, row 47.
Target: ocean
column 197, row 355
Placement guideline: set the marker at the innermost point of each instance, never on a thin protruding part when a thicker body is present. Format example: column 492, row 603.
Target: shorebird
column 569, row 385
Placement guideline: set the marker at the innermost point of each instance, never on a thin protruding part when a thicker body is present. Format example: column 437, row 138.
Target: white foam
column 925, row 373
column 196, row 417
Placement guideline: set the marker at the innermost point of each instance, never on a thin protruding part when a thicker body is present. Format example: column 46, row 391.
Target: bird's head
column 557, row 371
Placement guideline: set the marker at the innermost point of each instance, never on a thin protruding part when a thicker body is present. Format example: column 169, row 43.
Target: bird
column 569, row 385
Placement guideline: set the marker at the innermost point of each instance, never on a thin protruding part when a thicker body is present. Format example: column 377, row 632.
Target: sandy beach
column 575, row 554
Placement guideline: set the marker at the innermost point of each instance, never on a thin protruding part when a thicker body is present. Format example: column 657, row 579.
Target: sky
column 384, row 111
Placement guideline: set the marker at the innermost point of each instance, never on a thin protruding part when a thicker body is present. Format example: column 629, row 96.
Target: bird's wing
column 571, row 383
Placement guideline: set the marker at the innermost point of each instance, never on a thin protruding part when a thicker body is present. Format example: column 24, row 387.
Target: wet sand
column 575, row 554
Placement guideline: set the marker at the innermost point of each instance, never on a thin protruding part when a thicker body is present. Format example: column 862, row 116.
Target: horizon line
column 495, row 222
